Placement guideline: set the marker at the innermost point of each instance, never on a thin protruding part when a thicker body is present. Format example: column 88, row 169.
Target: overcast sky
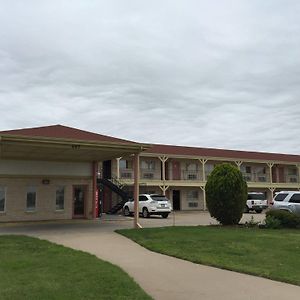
column 223, row 74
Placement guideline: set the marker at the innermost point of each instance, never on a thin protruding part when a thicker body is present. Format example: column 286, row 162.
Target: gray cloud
column 219, row 74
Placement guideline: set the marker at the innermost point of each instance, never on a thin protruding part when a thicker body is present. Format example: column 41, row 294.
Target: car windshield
column 159, row 198
column 257, row 196
column 280, row 197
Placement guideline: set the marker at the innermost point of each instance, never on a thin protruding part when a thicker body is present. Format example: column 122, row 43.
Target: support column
column 272, row 189
column 163, row 159
column 95, row 205
column 270, row 164
column 203, row 161
column 136, row 190
column 298, row 179
column 238, row 164
column 204, row 197
column 164, row 189
column 118, row 167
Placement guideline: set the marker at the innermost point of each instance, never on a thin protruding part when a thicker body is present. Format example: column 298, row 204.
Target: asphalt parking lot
column 109, row 223
column 191, row 218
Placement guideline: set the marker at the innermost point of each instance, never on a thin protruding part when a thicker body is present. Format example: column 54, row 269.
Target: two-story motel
column 51, row 172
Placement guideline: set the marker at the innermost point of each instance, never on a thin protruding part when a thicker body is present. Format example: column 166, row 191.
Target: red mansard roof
column 210, row 152
column 64, row 132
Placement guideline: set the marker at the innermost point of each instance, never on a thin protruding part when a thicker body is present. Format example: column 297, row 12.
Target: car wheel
column 258, row 211
column 165, row 215
column 126, row 211
column 145, row 213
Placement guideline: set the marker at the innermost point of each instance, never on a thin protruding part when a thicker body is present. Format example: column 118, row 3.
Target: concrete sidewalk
column 165, row 277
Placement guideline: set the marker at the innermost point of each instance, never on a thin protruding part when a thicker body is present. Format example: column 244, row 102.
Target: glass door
column 79, row 201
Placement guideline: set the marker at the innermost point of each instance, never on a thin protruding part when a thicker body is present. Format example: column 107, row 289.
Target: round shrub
column 226, row 194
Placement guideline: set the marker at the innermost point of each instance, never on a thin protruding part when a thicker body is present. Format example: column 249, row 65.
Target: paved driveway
column 161, row 276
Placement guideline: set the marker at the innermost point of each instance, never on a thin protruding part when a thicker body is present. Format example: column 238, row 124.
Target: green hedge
column 284, row 219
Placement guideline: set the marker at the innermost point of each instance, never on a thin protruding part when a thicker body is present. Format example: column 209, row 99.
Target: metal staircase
column 116, row 186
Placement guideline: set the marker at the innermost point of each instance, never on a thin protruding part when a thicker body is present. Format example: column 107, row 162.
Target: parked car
column 256, row 202
column 287, row 200
column 149, row 204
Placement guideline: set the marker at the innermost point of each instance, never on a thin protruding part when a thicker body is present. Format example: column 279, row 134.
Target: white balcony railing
column 256, row 177
column 148, row 174
column 292, row 179
column 197, row 175
column 191, row 175
column 126, row 173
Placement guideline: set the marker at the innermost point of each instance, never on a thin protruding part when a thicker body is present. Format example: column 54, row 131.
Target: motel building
column 57, row 172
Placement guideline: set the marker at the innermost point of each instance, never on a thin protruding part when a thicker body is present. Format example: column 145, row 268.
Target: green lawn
column 39, row 270
column 268, row 253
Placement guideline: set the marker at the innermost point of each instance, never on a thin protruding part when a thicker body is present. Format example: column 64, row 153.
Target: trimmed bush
column 286, row 218
column 272, row 223
column 226, row 194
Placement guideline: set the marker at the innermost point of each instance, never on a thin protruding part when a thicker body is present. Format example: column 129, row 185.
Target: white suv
column 256, row 202
column 149, row 204
column 287, row 200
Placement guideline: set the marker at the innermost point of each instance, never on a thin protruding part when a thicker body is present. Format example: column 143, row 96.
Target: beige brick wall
column 16, row 189
column 184, row 201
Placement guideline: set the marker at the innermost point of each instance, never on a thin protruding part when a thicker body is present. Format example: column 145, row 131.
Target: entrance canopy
column 61, row 143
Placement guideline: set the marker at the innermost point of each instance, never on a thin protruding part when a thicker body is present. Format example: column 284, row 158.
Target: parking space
column 109, row 223
column 192, row 218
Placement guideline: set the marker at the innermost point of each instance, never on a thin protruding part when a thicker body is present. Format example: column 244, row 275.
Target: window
column 2, row 199
column 280, row 197
column 256, row 196
column 31, row 198
column 261, row 170
column 292, row 171
column 124, row 164
column 159, row 198
column 193, row 204
column 143, row 198
column 148, row 165
column 248, row 169
column 209, row 168
column 192, row 195
column 191, row 167
column 60, row 198
column 295, row 198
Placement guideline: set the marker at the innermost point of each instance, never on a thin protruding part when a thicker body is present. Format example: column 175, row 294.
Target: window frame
column 149, row 165
column 143, row 198
column 64, row 192
column 281, row 200
column 5, row 197
column 192, row 195
column 124, row 163
column 297, row 200
column 35, row 200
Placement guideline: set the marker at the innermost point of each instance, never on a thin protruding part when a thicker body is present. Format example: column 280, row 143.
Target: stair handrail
column 117, row 182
